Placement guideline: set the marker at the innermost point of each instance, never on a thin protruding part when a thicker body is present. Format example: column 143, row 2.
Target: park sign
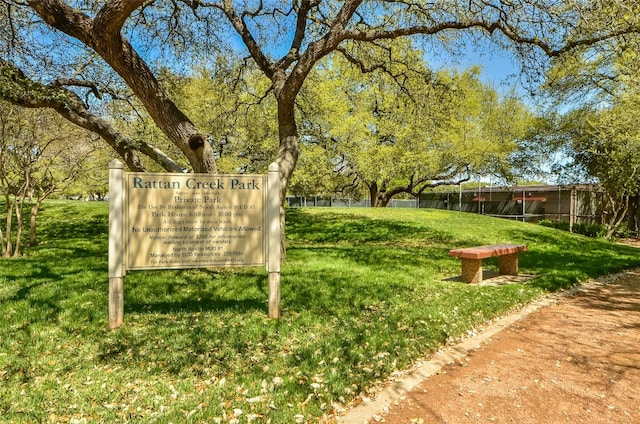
column 176, row 221
column 195, row 220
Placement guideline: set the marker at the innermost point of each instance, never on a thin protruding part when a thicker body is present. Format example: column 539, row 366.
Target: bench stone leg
column 508, row 264
column 472, row 270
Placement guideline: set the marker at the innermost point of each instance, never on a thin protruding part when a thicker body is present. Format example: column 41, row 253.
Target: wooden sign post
column 274, row 242
column 116, row 244
column 177, row 221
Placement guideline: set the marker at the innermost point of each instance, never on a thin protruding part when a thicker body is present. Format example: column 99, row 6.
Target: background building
column 562, row 203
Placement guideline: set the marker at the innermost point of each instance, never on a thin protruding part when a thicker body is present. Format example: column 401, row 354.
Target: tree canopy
column 40, row 154
column 403, row 130
column 594, row 93
column 75, row 56
column 97, row 46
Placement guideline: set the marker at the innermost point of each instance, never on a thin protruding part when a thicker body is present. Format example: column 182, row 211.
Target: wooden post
column 116, row 244
column 273, row 237
column 572, row 209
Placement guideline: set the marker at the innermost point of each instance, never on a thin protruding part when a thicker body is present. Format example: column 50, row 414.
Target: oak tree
column 51, row 49
column 407, row 129
column 594, row 93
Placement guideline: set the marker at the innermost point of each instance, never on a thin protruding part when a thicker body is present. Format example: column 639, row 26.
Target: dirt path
column 575, row 359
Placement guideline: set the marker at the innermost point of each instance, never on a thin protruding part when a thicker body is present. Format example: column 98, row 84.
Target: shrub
column 623, row 231
column 590, row 230
column 560, row 225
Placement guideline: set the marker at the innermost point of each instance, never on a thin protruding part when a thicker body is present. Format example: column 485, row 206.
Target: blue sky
column 499, row 69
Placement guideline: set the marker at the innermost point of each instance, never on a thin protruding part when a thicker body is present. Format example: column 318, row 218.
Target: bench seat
column 472, row 257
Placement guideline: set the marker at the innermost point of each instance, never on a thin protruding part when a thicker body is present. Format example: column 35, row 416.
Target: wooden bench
column 472, row 259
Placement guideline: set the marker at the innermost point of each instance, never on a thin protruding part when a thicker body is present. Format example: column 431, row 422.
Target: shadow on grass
column 195, row 291
column 42, row 307
column 211, row 304
column 79, row 220
column 30, row 270
column 563, row 260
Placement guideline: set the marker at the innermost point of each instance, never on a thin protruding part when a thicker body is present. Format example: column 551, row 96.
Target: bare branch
column 250, row 42
column 301, row 26
column 358, row 63
column 489, row 27
column 66, row 82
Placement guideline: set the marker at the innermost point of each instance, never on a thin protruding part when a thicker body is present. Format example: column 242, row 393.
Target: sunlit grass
column 364, row 293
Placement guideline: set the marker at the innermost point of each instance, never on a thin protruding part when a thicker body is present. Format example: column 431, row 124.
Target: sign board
column 159, row 221
column 195, row 220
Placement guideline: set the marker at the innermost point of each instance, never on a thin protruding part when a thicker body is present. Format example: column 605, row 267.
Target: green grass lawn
column 364, row 293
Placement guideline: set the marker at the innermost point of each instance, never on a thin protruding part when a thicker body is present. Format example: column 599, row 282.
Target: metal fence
column 299, row 201
column 566, row 203
column 573, row 204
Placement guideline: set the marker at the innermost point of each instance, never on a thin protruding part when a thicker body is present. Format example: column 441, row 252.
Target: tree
column 286, row 40
column 354, row 27
column 408, row 129
column 606, row 144
column 103, row 35
column 596, row 87
column 36, row 161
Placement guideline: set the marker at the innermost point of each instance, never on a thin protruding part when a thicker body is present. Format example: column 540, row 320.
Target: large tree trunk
column 382, row 201
column 379, row 195
column 373, row 193
column 287, row 158
column 164, row 112
column 103, row 35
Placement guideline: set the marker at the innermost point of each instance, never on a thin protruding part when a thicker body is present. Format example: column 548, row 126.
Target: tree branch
column 63, row 17
column 114, row 14
column 74, row 82
column 301, row 26
column 18, row 89
column 489, row 27
column 250, row 42
column 105, row 39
